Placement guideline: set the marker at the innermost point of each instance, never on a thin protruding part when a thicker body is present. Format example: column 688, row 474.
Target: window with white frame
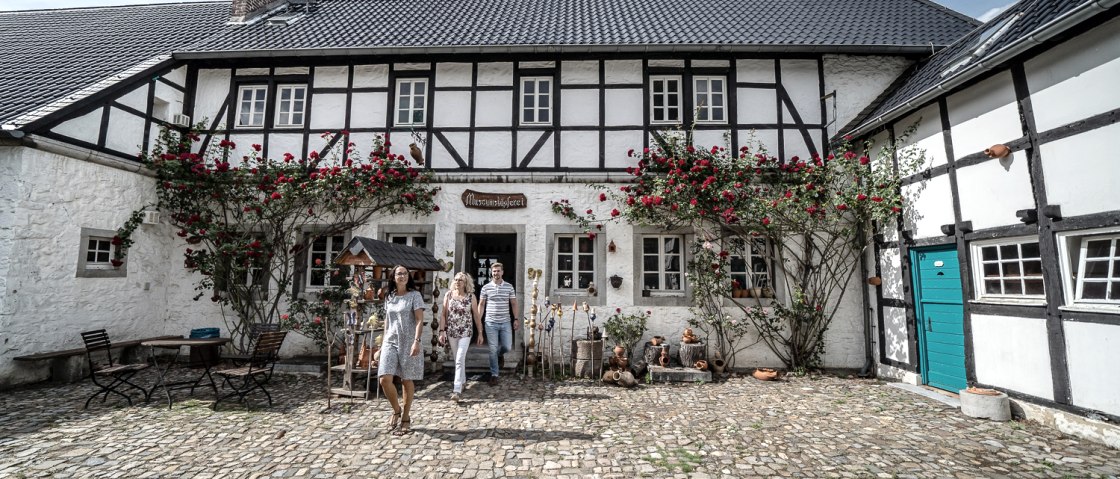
column 251, row 105
column 575, row 261
column 321, row 270
column 95, row 255
column 750, row 267
column 663, row 263
column 290, row 105
column 1098, row 270
column 665, row 99
column 710, row 96
column 99, row 253
column 412, row 94
column 536, row 100
column 1008, row 269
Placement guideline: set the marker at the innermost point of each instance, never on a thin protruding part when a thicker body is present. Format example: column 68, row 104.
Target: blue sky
column 982, row 9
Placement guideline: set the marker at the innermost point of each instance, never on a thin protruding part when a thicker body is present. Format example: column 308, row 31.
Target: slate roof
column 928, row 75
column 391, row 254
column 51, row 58
column 775, row 25
column 46, row 55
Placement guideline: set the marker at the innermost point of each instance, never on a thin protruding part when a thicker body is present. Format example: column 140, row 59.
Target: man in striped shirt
column 498, row 299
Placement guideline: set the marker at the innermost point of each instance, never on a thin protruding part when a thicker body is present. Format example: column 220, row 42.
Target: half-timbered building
column 515, row 104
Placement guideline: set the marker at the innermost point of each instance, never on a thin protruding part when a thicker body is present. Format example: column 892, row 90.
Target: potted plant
column 626, row 328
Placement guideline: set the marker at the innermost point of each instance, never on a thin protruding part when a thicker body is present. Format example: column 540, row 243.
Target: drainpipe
column 868, row 360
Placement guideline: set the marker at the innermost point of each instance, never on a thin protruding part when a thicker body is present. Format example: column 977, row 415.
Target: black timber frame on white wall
column 227, row 111
column 1045, row 230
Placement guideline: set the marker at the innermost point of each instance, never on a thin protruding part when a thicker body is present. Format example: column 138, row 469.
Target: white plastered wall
column 991, row 192
column 1081, row 173
column 1076, row 79
column 1092, row 352
column 1012, row 353
column 856, row 82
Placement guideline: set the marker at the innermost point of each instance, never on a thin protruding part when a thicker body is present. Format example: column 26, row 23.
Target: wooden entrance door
column 939, row 308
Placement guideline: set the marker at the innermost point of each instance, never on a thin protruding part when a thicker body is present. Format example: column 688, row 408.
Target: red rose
column 276, row 195
column 863, row 160
column 116, row 263
column 861, row 197
column 877, row 199
column 765, row 221
column 603, row 196
column 841, row 206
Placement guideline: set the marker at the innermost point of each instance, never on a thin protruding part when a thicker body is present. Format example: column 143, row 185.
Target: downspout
column 868, row 360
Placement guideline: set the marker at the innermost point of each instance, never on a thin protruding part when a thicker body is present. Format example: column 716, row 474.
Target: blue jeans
column 498, row 335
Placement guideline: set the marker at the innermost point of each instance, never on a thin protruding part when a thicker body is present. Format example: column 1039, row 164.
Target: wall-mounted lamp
column 964, row 226
column 1027, row 216
column 949, row 229
column 1053, row 212
column 616, row 281
column 611, row 248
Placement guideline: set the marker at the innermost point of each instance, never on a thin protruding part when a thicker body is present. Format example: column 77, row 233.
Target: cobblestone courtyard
column 799, row 427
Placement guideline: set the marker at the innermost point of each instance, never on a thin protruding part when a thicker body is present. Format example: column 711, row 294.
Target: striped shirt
column 497, row 301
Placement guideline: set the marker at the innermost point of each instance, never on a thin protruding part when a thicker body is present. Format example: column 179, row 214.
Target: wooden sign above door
column 493, row 201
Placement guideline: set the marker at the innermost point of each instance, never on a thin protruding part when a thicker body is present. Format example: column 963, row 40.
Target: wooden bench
column 64, row 369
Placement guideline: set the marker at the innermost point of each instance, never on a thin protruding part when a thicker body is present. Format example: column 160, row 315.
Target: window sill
column 1092, row 308
column 1009, row 301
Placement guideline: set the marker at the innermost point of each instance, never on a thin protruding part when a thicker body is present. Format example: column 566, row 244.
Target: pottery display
column 717, row 366
column 689, row 337
column 701, row 365
column 656, row 340
column 664, row 359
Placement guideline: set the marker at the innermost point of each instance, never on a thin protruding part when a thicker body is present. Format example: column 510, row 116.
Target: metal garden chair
column 258, row 372
column 107, row 375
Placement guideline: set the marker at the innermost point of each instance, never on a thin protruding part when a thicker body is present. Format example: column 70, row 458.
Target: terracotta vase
column 369, row 294
column 376, row 273
column 619, row 351
column 626, row 379
column 701, row 365
column 997, row 151
column 765, row 374
column 608, row 377
column 664, row 360
column 717, row 366
column 874, row 281
column 656, row 340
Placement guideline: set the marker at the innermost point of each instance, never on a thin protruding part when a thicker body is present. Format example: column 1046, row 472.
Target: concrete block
column 660, row 374
column 988, row 406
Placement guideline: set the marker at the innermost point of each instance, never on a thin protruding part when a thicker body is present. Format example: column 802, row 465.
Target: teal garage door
column 939, row 307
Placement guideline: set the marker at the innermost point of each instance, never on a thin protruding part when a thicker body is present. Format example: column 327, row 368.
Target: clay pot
column 664, row 359
column 608, row 377
column 656, row 340
column 376, row 273
column 626, row 379
column 369, row 294
column 717, row 366
column 701, row 365
column 619, row 351
column 765, row 374
column 874, row 281
column 997, row 151
column 531, row 359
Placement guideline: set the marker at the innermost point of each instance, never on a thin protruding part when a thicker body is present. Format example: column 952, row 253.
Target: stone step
column 659, row 374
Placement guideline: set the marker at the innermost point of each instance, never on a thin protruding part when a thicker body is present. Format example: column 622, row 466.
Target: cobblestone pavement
column 799, row 427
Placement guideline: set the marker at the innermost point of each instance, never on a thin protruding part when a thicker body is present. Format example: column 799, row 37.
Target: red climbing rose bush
column 805, row 222
column 248, row 221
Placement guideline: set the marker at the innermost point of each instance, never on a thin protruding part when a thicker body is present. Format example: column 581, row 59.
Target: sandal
column 404, row 429
column 394, row 421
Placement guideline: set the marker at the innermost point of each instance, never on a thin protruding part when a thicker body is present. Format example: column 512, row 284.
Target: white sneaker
column 455, row 397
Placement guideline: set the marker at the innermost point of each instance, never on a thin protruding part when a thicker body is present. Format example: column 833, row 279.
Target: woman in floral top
column 460, row 309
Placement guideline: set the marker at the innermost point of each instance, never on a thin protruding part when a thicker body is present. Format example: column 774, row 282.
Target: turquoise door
column 939, row 308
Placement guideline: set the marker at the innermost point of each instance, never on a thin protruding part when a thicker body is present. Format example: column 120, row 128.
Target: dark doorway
column 483, row 250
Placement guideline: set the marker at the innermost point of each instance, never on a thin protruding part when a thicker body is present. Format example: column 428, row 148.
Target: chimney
column 245, row 11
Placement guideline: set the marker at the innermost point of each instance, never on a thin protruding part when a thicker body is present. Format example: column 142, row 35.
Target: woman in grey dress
column 400, row 350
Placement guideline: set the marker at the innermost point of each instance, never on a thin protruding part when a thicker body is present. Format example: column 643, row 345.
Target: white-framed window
column 750, row 266
column 95, row 255
column 536, row 100
column 251, row 105
column 574, row 261
column 99, row 251
column 663, row 263
column 321, row 270
column 1098, row 270
column 710, row 98
column 1008, row 269
column 665, row 99
column 291, row 101
column 412, row 101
